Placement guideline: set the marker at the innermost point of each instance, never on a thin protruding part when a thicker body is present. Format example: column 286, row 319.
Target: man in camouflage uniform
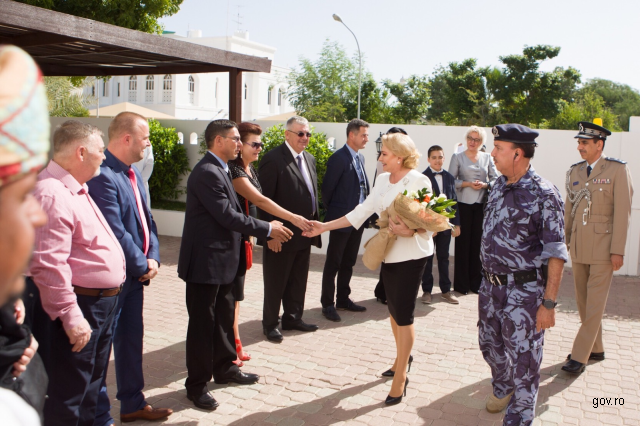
column 523, row 254
column 598, row 210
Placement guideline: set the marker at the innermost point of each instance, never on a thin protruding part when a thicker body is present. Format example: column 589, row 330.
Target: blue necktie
column 307, row 180
column 361, row 179
column 589, row 170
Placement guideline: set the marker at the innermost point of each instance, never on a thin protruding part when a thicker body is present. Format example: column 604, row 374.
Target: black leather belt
column 520, row 277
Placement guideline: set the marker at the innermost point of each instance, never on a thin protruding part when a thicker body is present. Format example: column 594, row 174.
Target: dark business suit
column 443, row 239
column 211, row 256
column 285, row 273
column 341, row 190
column 113, row 194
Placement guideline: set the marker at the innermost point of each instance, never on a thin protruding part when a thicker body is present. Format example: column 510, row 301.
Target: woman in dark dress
column 247, row 186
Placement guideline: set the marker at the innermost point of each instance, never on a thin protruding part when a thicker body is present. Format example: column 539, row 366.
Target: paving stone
column 331, row 376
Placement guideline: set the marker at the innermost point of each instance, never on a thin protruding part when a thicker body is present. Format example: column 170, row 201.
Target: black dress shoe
column 594, row 356
column 573, row 367
column 204, row 401
column 273, row 335
column 350, row 306
column 383, row 301
column 301, row 326
column 391, row 373
column 239, row 378
column 330, row 313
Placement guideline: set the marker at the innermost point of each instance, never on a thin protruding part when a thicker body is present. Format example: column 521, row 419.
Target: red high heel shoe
column 242, row 355
column 238, row 362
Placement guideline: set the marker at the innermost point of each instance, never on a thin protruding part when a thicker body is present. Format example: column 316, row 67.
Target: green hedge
column 170, row 162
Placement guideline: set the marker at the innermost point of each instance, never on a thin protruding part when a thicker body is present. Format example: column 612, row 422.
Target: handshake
column 281, row 234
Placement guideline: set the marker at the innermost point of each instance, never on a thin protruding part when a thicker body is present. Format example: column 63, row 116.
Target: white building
column 203, row 96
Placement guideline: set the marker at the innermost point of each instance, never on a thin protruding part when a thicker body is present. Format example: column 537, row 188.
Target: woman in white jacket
column 403, row 266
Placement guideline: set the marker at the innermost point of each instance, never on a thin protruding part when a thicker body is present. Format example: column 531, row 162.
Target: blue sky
column 400, row 38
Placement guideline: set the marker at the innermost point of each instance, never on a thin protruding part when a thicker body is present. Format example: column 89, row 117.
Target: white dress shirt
column 438, row 179
column 381, row 196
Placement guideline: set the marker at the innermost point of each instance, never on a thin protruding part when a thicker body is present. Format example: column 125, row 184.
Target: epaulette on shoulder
column 579, row 162
column 616, row 160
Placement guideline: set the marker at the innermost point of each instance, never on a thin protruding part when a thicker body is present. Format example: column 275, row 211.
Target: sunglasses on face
column 236, row 139
column 301, row 134
column 254, row 145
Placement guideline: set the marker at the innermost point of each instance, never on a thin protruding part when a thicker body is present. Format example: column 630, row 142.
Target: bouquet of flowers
column 418, row 210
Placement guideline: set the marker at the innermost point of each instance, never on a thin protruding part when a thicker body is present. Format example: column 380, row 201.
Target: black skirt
column 401, row 284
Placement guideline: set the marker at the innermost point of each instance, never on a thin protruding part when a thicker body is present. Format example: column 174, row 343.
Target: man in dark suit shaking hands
column 211, row 256
column 288, row 177
column 345, row 185
column 442, row 182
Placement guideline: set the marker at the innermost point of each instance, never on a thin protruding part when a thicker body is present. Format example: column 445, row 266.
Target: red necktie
column 143, row 217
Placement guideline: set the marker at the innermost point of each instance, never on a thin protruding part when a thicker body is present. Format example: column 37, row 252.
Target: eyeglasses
column 236, row 139
column 476, row 140
column 254, row 145
column 301, row 134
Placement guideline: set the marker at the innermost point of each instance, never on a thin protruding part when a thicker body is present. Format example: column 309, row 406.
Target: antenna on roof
column 238, row 19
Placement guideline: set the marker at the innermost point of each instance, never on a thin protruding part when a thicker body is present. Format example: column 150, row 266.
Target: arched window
column 133, row 88
column 245, row 91
column 105, row 88
column 280, row 97
column 167, row 85
column 269, row 96
column 149, row 87
column 192, row 89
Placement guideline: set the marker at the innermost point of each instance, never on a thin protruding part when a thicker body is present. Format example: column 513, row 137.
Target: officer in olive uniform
column 597, row 214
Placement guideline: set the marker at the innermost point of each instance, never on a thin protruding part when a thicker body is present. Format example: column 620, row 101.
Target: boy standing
column 443, row 183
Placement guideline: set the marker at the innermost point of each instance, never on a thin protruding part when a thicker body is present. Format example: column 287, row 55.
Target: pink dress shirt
column 76, row 246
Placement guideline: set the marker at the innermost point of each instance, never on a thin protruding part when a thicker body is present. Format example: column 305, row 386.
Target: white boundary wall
column 555, row 154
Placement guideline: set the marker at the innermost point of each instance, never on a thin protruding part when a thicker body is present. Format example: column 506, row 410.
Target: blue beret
column 516, row 133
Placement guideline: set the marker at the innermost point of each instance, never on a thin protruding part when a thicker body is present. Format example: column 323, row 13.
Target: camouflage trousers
column 510, row 344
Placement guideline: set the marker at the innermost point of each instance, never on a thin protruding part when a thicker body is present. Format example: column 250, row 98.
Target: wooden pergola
column 66, row 45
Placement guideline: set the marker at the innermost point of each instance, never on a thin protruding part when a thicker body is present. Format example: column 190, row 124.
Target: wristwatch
column 549, row 304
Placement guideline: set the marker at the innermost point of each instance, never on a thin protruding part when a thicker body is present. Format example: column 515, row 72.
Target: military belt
column 519, row 277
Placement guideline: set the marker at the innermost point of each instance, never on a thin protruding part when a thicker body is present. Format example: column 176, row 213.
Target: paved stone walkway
column 332, row 376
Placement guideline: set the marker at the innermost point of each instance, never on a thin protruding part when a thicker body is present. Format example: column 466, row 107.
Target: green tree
column 587, row 106
column 411, row 99
column 319, row 89
column 374, row 103
column 170, row 162
column 133, row 14
column 527, row 95
column 622, row 99
column 65, row 99
column 318, row 147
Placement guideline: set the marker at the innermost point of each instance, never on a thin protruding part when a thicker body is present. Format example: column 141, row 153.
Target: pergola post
column 235, row 95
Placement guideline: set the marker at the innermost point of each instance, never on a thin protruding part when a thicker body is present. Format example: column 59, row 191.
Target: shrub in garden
column 170, row 162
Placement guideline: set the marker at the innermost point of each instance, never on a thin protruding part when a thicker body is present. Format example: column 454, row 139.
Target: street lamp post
column 337, row 18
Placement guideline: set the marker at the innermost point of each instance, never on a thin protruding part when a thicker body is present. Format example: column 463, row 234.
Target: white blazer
column 381, row 196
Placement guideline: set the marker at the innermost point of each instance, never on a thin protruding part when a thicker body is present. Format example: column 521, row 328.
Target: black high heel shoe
column 393, row 400
column 391, row 373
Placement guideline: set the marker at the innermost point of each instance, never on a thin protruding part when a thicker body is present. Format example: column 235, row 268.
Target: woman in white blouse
column 403, row 267
column 474, row 172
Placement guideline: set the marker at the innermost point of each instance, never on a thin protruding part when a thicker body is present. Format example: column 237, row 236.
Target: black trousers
column 468, row 268
column 285, row 281
column 342, row 254
column 211, row 347
column 442, row 240
column 74, row 377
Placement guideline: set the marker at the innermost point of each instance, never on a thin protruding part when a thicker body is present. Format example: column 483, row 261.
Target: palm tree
column 67, row 99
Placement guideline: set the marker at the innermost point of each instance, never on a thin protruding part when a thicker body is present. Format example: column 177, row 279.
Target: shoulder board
column 616, row 160
column 579, row 162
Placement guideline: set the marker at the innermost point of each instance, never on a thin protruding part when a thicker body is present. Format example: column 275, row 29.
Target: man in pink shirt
column 77, row 271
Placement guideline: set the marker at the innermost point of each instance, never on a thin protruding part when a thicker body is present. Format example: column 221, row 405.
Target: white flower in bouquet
column 442, row 197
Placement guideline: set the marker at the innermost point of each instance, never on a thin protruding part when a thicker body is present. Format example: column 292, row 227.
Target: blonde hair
column 479, row 130
column 402, row 146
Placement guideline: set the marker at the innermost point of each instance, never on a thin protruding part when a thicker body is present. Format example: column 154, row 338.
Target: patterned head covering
column 24, row 115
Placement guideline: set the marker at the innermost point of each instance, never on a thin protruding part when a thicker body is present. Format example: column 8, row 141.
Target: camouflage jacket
column 523, row 225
